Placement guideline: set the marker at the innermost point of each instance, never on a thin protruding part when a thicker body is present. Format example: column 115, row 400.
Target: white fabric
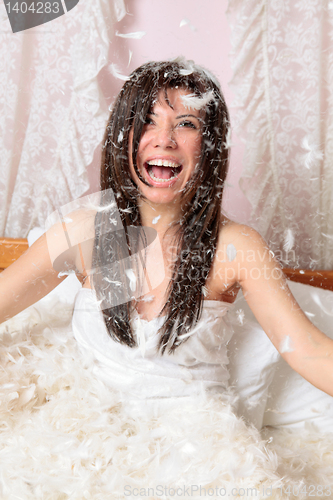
column 65, row 433
column 293, row 402
column 282, row 62
column 252, row 364
column 269, row 391
column 198, row 365
column 52, row 111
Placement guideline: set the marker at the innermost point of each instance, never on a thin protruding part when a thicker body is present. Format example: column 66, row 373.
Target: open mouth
column 162, row 170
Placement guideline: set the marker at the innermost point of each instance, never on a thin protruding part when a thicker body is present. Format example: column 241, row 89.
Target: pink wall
column 205, row 38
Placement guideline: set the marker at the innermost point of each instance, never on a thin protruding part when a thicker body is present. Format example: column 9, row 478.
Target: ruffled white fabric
column 198, row 365
column 66, row 434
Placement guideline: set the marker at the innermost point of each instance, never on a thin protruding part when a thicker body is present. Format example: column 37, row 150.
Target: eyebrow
column 186, row 116
column 179, row 116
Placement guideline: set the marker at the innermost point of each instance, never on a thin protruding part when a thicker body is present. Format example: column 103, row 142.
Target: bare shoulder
column 239, row 235
column 70, row 241
column 241, row 253
column 241, row 244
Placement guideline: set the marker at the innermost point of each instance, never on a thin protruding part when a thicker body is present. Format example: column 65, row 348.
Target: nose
column 164, row 137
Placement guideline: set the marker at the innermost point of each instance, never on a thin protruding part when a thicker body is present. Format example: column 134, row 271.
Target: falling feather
column 329, row 236
column 113, row 282
column 316, row 298
column 289, row 240
column 186, row 72
column 187, row 22
column 136, row 35
column 116, row 73
column 148, row 298
column 156, row 219
column 65, row 273
column 313, row 156
column 228, row 144
column 240, row 315
column 141, row 338
column 132, row 279
column 184, row 22
column 193, row 101
column 231, row 252
column 286, row 345
column 101, row 208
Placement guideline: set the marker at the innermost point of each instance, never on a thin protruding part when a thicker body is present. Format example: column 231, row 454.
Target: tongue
column 162, row 172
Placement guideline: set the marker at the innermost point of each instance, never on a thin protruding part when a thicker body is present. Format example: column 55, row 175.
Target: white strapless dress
column 197, row 365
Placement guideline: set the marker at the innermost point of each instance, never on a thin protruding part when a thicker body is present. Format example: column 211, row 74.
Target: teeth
column 151, row 174
column 163, row 163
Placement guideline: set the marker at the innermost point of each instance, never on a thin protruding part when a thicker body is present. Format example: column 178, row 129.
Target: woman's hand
column 250, row 262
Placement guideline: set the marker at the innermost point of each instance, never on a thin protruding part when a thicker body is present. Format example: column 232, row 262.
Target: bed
column 56, row 417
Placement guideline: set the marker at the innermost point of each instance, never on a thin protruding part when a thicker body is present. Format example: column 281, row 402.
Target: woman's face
column 169, row 148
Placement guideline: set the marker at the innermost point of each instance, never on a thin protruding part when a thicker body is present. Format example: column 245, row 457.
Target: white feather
column 184, row 22
column 329, row 236
column 228, row 143
column 148, row 298
column 156, row 219
column 240, row 316
column 132, row 279
column 231, row 252
column 187, row 22
column 286, row 345
column 314, row 154
column 192, row 101
column 289, row 240
column 113, row 68
column 137, row 35
column 130, row 54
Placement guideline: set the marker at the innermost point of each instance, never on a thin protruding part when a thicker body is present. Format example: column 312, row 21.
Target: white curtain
column 52, row 112
column 282, row 60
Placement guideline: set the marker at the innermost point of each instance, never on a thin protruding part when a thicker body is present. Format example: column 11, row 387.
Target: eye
column 187, row 124
column 149, row 120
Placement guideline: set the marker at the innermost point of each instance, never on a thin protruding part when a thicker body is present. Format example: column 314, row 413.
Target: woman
column 165, row 159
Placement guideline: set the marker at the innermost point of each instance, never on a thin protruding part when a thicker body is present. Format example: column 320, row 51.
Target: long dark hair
column 198, row 229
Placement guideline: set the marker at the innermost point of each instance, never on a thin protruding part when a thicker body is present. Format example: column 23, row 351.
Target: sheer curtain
column 282, row 60
column 52, row 112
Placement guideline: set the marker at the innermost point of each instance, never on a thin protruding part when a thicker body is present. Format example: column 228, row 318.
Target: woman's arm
column 66, row 246
column 302, row 345
column 27, row 280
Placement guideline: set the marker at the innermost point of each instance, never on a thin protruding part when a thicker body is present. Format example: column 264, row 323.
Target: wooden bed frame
column 12, row 248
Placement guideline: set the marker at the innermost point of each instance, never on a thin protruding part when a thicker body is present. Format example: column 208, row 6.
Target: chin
column 161, row 196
